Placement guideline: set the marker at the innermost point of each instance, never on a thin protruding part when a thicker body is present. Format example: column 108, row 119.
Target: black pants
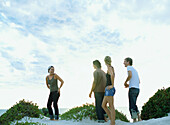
column 98, row 103
column 133, row 94
column 53, row 97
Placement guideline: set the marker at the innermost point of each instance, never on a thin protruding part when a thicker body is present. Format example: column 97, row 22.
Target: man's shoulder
column 98, row 71
column 130, row 67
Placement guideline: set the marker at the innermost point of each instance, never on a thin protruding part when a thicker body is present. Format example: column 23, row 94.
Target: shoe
column 101, row 121
column 56, row 117
column 51, row 117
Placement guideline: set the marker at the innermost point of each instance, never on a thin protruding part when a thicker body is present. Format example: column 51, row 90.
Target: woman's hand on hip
column 110, row 87
column 59, row 90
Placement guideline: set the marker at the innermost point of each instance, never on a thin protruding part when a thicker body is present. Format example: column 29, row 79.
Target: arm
column 92, row 89
column 128, row 78
column 94, row 83
column 47, row 82
column 62, row 82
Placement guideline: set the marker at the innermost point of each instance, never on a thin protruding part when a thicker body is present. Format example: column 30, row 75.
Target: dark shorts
column 110, row 92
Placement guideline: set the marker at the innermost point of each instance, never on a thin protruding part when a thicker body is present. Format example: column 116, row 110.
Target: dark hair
column 50, row 68
column 97, row 63
column 128, row 59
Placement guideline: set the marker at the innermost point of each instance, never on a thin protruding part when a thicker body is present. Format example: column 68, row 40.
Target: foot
column 51, row 117
column 106, row 119
column 56, row 117
column 139, row 118
column 101, row 121
column 134, row 120
column 112, row 124
column 134, row 114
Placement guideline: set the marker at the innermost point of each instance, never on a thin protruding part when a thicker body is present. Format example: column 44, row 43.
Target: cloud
column 70, row 35
column 18, row 65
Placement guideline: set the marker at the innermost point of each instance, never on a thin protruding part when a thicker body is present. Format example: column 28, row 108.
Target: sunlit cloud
column 71, row 34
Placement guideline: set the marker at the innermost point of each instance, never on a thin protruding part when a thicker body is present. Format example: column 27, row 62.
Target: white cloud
column 70, row 35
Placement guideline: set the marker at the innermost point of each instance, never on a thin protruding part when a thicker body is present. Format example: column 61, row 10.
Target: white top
column 134, row 81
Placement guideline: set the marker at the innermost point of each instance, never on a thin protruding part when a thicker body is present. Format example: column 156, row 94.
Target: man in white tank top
column 133, row 79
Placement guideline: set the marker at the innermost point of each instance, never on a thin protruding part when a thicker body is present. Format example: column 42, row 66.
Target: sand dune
column 158, row 121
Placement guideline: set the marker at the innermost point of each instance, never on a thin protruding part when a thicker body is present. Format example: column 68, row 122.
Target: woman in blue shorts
column 109, row 91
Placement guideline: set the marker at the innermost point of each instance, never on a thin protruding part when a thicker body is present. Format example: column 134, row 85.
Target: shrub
column 87, row 111
column 45, row 112
column 20, row 110
column 157, row 106
column 29, row 123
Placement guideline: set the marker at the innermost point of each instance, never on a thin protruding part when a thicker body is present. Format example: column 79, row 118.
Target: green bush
column 18, row 111
column 45, row 112
column 157, row 106
column 87, row 111
column 29, row 123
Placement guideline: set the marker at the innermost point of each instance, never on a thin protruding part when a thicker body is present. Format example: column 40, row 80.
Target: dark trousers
column 98, row 103
column 53, row 97
column 133, row 94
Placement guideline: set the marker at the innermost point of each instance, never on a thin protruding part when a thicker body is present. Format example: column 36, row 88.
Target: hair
column 50, row 68
column 97, row 63
column 108, row 60
column 128, row 59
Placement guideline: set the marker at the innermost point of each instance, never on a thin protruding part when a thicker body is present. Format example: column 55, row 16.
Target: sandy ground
column 159, row 121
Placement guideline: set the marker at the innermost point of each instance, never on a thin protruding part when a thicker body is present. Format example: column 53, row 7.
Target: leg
column 96, row 106
column 49, row 103
column 56, row 97
column 112, row 109
column 132, row 102
column 136, row 93
column 139, row 118
column 136, row 108
column 98, row 103
column 104, row 106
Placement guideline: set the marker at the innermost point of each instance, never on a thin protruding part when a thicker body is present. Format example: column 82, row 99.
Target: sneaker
column 101, row 121
column 51, row 117
column 56, row 117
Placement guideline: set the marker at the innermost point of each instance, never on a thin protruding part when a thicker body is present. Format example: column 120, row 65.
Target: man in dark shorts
column 98, row 88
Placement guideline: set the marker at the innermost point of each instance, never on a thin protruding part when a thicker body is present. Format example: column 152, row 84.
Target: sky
column 70, row 35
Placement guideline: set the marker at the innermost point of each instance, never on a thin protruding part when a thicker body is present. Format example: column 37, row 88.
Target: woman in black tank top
column 109, row 91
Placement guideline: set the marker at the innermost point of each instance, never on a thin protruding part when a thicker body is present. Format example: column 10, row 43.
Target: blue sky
column 70, row 34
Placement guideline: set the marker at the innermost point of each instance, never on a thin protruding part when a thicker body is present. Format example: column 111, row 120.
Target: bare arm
column 94, row 83
column 128, row 78
column 47, row 82
column 92, row 89
column 93, row 86
column 62, row 82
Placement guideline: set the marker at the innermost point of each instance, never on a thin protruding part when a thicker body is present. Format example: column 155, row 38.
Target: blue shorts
column 110, row 92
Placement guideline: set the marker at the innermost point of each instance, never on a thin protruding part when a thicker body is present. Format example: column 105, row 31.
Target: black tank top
column 109, row 82
column 108, row 78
